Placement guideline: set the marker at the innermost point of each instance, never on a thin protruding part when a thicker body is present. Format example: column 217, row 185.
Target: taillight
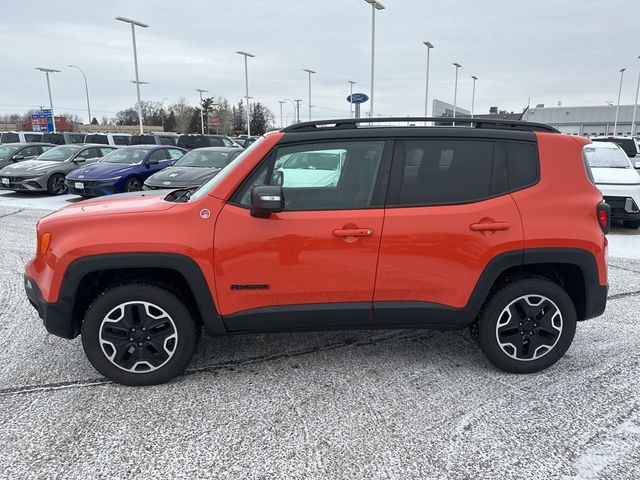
column 604, row 216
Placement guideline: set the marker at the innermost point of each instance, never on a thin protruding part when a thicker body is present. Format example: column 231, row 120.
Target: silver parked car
column 47, row 173
column 11, row 153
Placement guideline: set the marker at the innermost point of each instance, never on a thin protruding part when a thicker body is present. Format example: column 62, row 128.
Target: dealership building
column 595, row 120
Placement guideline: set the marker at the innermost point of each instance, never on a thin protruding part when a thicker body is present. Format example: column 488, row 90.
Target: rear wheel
column 631, row 224
column 527, row 326
column 138, row 334
column 56, row 185
column 133, row 185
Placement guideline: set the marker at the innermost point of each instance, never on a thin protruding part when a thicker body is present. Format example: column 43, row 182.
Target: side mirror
column 79, row 159
column 152, row 162
column 265, row 200
column 17, row 158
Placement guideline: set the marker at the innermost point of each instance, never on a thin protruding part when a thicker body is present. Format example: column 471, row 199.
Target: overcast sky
column 568, row 51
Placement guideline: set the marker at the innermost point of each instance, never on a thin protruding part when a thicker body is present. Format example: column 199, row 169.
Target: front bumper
column 623, row 208
column 55, row 316
column 22, row 184
column 91, row 188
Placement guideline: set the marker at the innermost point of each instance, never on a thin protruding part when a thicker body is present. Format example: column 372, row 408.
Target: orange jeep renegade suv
column 338, row 224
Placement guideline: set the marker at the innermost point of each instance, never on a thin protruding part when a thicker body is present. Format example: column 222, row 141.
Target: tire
column 631, row 224
column 139, row 334
column 514, row 333
column 56, row 185
column 133, row 185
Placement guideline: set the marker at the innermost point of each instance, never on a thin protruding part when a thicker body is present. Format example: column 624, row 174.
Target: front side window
column 158, row 156
column 129, row 156
column 29, row 152
column 120, row 140
column 32, row 137
column 9, row 137
column 89, row 153
column 6, row 152
column 322, row 176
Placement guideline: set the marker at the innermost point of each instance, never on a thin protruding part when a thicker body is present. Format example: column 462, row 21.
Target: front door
column 314, row 264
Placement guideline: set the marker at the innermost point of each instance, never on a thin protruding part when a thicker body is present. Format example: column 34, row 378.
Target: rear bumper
column 55, row 316
column 596, row 300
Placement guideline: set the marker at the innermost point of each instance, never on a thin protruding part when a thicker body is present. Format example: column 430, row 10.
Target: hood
column 97, row 171
column 618, row 176
column 129, row 203
column 182, row 176
column 30, row 167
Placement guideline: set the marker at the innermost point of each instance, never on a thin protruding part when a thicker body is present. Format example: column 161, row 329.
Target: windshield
column 627, row 144
column 126, row 155
column 606, row 157
column 312, row 161
column 207, row 187
column 59, row 154
column 6, row 152
column 203, row 158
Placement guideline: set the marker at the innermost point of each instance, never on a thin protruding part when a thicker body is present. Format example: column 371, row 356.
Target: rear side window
column 32, row 137
column 522, row 161
column 438, row 172
column 9, row 137
column 166, row 141
column 120, row 140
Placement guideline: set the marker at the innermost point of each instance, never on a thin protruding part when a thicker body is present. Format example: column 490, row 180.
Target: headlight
column 112, row 179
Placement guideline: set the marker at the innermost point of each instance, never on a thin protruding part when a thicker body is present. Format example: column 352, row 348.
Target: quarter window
column 523, row 165
column 322, row 176
column 174, row 153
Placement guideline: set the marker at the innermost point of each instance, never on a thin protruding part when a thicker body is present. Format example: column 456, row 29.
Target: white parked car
column 312, row 169
column 618, row 181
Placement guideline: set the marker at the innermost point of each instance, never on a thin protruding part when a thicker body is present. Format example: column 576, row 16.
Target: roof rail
column 497, row 123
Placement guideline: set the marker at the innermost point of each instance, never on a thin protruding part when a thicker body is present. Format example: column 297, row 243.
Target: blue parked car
column 123, row 170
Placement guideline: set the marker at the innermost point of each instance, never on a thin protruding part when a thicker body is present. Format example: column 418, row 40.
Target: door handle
column 355, row 232
column 489, row 226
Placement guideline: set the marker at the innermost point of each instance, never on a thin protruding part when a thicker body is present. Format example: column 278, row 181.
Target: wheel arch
column 87, row 277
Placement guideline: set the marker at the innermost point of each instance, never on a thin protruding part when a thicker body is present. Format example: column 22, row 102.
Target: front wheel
column 138, row 334
column 133, row 185
column 527, row 326
column 56, row 185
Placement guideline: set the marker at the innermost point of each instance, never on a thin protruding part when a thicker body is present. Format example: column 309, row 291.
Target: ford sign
column 358, row 98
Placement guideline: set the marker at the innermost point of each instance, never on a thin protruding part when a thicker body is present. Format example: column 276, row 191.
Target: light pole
column 473, row 95
column 635, row 107
column 375, row 5
column 138, row 83
column 298, row 109
column 309, row 72
column 246, row 84
column 200, row 91
column 455, row 91
column 429, row 46
column 281, row 102
column 352, row 83
column 47, row 71
column 615, row 124
column 86, row 89
column 133, row 24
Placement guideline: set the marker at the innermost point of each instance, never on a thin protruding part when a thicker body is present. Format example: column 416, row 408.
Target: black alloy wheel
column 527, row 325
column 133, row 185
column 56, row 185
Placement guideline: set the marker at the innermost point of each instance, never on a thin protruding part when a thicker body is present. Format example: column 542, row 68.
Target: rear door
column 448, row 215
column 312, row 265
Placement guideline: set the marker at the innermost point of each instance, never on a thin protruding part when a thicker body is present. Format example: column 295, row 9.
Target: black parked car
column 194, row 169
column 199, row 141
column 154, row 139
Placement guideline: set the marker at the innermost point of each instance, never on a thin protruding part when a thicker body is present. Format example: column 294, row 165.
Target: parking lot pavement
column 359, row 404
column 37, row 201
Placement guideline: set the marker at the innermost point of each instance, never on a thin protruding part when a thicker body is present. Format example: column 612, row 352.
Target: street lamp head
column 474, row 77
column 201, row 90
column 132, row 22
column 351, row 82
column 47, row 70
column 622, row 69
column 457, row 65
column 246, row 54
column 428, row 44
column 140, row 83
column 376, row 4
column 307, row 70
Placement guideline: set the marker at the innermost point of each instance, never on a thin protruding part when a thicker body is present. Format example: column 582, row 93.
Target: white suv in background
column 618, row 181
column 628, row 144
